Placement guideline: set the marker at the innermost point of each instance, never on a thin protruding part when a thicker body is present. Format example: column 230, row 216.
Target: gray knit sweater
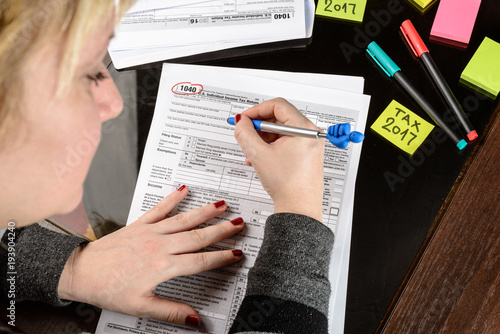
column 288, row 289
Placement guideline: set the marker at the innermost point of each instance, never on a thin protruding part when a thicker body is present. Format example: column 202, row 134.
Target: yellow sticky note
column 422, row 5
column 402, row 127
column 350, row 10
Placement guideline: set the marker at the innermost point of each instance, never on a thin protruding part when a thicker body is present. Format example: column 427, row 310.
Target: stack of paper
column 157, row 30
column 191, row 143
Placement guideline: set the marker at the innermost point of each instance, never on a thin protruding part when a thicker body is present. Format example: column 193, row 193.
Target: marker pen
column 420, row 50
column 392, row 70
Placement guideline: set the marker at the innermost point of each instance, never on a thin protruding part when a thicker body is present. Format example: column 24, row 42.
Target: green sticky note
column 483, row 70
column 402, row 127
column 350, row 10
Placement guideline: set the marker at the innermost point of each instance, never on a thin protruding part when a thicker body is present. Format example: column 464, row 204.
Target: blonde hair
column 25, row 25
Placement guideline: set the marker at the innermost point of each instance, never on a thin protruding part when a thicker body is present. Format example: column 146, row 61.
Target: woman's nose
column 108, row 98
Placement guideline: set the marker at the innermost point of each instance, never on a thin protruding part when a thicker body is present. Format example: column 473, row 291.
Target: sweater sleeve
column 32, row 260
column 288, row 289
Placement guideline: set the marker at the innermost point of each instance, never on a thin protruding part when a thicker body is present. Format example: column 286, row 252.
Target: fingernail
column 237, row 252
column 237, row 221
column 220, row 204
column 237, row 118
column 192, row 321
column 181, row 188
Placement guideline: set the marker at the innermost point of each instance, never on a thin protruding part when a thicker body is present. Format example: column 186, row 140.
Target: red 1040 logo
column 187, row 88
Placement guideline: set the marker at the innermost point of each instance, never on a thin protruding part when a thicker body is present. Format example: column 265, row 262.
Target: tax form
column 151, row 32
column 144, row 5
column 191, row 143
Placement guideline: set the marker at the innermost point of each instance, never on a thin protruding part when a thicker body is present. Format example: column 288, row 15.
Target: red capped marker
column 420, row 50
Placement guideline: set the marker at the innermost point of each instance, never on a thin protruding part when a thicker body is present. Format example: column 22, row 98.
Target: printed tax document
column 143, row 5
column 151, row 31
column 191, row 143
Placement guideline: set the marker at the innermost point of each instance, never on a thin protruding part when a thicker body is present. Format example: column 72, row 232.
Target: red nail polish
column 237, row 252
column 192, row 321
column 219, row 204
column 181, row 188
column 237, row 221
column 237, row 118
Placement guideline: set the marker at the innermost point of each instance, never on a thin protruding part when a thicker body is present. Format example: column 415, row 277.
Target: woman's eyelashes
column 99, row 76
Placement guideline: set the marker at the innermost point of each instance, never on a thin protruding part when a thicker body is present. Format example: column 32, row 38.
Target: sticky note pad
column 422, row 5
column 454, row 21
column 402, row 127
column 350, row 10
column 483, row 70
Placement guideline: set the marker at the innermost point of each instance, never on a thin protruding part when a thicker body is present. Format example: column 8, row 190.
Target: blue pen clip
column 382, row 59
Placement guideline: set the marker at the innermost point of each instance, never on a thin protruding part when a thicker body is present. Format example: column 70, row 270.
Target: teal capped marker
column 461, row 144
column 382, row 59
column 393, row 71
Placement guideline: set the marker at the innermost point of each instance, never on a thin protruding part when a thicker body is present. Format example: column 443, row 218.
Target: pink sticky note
column 454, row 21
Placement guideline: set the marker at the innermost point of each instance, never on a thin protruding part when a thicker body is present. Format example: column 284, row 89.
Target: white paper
column 146, row 5
column 352, row 84
column 146, row 38
column 160, row 27
column 191, row 143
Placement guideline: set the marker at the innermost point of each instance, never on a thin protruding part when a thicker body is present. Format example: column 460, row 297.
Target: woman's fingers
column 140, row 256
column 160, row 210
column 183, row 221
column 194, row 240
column 187, row 220
column 167, row 310
column 195, row 263
column 249, row 140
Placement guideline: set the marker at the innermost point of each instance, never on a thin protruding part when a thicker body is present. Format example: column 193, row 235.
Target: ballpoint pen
column 392, row 70
column 339, row 134
column 420, row 50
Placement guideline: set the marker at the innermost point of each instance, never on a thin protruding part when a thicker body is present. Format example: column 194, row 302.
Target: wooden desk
column 454, row 286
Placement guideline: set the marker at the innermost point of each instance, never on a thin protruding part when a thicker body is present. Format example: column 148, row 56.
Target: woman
column 55, row 93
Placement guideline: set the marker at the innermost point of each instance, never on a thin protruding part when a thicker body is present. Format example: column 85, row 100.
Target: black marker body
column 446, row 92
column 425, row 105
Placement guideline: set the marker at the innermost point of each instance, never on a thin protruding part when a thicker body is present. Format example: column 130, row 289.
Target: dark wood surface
column 455, row 286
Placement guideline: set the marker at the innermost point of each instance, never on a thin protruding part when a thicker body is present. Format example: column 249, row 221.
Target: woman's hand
column 289, row 168
column 120, row 271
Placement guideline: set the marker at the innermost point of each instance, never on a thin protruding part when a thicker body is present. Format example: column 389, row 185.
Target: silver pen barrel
column 290, row 130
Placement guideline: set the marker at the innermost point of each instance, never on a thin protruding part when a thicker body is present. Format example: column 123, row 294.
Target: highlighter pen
column 339, row 135
column 392, row 70
column 420, row 50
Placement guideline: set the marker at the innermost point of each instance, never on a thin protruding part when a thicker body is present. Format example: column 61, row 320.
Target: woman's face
column 47, row 155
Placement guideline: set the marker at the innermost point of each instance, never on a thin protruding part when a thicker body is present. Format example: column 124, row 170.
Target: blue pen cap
column 382, row 59
column 256, row 123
